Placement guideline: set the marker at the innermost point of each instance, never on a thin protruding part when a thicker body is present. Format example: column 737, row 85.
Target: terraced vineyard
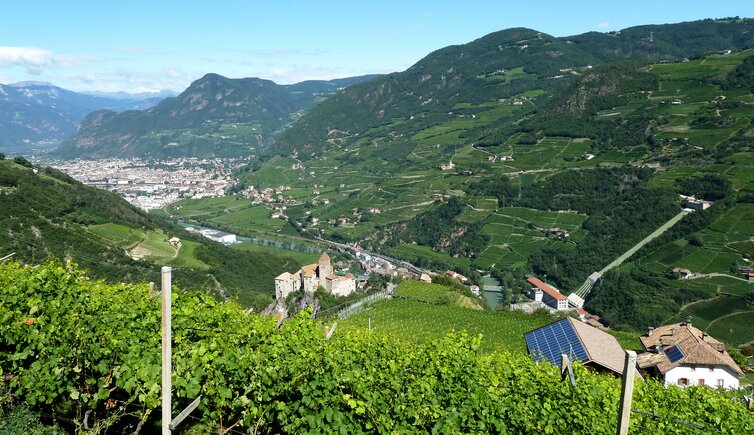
column 412, row 320
column 150, row 245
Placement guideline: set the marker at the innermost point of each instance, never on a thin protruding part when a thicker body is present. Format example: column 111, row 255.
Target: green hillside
column 46, row 214
column 69, row 345
column 459, row 81
column 214, row 117
column 555, row 181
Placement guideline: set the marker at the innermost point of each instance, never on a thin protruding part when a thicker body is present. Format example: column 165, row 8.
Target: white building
column 682, row 355
column 542, row 292
column 697, row 204
column 219, row 236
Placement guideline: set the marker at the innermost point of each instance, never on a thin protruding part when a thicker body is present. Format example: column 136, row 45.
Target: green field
column 299, row 257
column 421, row 322
column 704, row 313
column 151, row 245
column 735, row 329
column 187, row 258
column 121, row 235
column 154, row 246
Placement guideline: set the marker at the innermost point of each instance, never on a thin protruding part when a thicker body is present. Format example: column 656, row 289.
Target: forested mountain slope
column 214, row 117
column 499, row 65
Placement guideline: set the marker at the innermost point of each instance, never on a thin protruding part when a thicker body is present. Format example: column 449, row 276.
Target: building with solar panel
column 680, row 354
column 592, row 347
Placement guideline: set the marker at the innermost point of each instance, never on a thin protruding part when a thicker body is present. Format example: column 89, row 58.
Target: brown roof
column 603, row 348
column 308, row 270
column 324, row 256
column 698, row 348
column 333, row 276
column 536, row 282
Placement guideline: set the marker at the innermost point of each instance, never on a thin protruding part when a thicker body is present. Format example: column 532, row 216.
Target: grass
column 122, row 235
column 187, row 257
column 299, row 257
column 154, row 247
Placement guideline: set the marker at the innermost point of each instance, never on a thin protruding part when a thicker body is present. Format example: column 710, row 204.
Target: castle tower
column 324, row 267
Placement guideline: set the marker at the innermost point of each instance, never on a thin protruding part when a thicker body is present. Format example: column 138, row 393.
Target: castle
column 312, row 276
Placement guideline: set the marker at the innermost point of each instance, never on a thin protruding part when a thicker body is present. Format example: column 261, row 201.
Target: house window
column 720, row 382
column 701, row 381
column 683, row 381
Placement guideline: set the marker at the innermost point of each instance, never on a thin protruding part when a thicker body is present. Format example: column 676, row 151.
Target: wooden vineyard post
column 626, row 395
column 166, row 351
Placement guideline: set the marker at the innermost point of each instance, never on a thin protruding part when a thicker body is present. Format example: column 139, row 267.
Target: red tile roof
column 536, row 282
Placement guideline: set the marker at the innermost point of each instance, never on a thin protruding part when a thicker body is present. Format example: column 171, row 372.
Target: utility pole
column 166, row 350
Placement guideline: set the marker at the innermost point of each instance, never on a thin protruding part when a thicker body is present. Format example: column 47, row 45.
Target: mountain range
column 34, row 112
column 214, row 117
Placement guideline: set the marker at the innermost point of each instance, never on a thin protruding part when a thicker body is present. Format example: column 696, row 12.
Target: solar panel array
column 553, row 340
column 674, row 353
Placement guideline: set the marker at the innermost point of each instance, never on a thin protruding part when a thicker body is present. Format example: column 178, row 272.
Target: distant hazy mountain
column 36, row 112
column 214, row 116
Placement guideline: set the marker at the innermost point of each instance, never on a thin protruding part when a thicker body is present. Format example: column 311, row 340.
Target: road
column 711, row 275
column 411, row 268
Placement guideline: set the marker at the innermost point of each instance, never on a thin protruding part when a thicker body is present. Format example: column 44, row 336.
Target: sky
column 147, row 46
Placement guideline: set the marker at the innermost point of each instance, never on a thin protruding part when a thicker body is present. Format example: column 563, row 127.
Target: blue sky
column 139, row 46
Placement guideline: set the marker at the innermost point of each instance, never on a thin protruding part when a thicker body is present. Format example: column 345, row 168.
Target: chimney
column 672, row 331
column 650, row 331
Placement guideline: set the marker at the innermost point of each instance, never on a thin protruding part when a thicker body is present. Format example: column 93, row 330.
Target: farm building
column 683, row 273
column 581, row 342
column 542, row 292
column 683, row 355
column 697, row 204
column 456, row 275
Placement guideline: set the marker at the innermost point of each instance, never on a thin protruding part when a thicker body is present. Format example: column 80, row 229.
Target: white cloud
column 605, row 25
column 131, row 81
column 295, row 74
column 35, row 60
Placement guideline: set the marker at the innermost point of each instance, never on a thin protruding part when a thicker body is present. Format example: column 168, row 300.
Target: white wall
column 284, row 287
column 710, row 376
column 341, row 287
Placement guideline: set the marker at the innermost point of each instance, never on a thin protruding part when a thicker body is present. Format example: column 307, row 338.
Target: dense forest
column 622, row 210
